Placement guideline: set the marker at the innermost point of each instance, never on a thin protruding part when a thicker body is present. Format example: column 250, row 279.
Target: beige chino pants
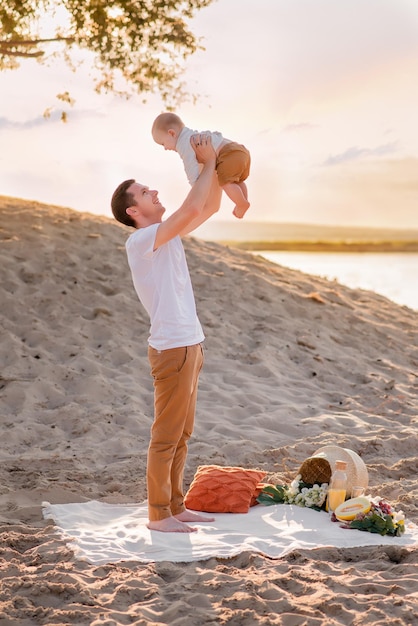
column 175, row 373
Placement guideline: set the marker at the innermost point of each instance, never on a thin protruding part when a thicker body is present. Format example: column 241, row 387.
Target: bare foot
column 241, row 209
column 170, row 525
column 191, row 516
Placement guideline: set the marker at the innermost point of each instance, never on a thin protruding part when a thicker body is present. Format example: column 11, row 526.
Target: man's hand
column 202, row 145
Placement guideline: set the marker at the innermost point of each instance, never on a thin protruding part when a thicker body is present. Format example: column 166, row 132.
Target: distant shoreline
column 325, row 246
column 309, row 237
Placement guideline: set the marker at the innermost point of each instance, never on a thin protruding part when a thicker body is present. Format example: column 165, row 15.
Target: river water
column 390, row 274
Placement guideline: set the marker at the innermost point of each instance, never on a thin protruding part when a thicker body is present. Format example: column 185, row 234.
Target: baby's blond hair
column 165, row 121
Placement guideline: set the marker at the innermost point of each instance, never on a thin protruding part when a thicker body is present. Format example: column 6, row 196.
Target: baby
column 232, row 159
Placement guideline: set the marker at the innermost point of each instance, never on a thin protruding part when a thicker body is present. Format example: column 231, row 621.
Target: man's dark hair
column 121, row 200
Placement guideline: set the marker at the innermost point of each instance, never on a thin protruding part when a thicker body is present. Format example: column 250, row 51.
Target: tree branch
column 32, row 42
column 20, row 53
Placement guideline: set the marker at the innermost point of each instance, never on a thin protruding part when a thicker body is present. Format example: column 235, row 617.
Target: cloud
column 35, row 122
column 377, row 193
column 41, row 120
column 292, row 128
column 354, row 153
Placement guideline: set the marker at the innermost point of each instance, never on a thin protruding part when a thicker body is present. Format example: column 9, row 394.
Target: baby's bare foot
column 171, row 525
column 191, row 516
column 241, row 209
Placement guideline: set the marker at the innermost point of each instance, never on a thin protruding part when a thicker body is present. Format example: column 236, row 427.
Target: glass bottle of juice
column 338, row 486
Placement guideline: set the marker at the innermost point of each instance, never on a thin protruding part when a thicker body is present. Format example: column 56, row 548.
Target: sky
column 324, row 93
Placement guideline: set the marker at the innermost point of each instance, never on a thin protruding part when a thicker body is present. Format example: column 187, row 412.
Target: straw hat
column 319, row 467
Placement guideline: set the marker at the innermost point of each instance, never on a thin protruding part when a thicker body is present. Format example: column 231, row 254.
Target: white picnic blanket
column 108, row 533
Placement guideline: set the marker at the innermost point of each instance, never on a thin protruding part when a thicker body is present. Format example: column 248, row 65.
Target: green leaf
column 273, row 494
column 265, row 499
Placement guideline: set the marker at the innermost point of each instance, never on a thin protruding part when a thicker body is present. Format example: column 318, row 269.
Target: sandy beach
column 293, row 363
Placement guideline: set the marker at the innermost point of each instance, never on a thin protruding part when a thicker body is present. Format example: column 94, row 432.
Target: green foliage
column 380, row 524
column 273, row 494
column 138, row 46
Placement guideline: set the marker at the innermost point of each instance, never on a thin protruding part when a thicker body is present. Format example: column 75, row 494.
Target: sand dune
column 293, row 362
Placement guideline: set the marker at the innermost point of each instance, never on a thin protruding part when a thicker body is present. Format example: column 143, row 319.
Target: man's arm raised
column 194, row 204
column 212, row 205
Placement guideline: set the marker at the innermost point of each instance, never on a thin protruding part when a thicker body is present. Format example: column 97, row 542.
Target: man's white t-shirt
column 162, row 282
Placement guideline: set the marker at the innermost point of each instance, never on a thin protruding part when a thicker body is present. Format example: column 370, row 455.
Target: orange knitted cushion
column 217, row 489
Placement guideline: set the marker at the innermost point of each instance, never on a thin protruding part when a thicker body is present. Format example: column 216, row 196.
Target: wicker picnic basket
column 319, row 467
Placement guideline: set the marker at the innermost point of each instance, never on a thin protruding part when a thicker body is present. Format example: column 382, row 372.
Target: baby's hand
column 202, row 145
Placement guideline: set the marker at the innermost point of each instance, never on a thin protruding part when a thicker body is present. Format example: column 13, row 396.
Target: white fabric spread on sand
column 108, row 533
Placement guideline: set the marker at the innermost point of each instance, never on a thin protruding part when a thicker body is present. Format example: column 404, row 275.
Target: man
column 162, row 281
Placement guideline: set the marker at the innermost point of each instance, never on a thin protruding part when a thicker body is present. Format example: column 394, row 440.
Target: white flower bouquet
column 298, row 492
